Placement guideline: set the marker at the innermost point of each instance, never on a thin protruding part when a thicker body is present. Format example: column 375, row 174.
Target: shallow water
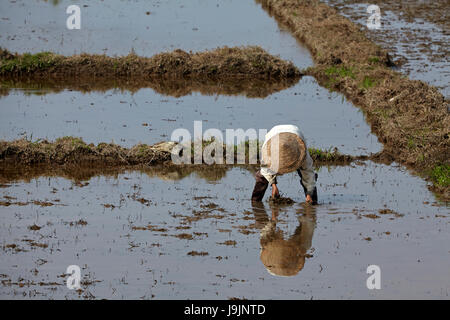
column 338, row 238
column 326, row 119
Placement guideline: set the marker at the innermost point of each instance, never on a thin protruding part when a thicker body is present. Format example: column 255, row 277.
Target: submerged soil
column 221, row 62
column 410, row 117
column 280, row 200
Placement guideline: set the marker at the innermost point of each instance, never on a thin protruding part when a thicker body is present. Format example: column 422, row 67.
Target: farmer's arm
column 272, row 180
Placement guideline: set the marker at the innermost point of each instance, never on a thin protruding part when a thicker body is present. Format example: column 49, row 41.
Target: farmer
column 284, row 150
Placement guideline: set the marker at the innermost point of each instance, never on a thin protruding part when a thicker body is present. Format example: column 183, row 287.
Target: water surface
column 141, row 234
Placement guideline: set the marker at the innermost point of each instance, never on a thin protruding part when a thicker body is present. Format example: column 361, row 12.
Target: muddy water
column 420, row 43
column 138, row 235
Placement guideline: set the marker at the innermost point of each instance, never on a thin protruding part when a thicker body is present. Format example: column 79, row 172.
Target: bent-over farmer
column 284, row 150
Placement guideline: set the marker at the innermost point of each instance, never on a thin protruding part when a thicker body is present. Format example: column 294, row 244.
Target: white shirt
column 306, row 168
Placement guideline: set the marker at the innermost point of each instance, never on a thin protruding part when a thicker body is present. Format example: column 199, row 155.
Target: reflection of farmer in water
column 284, row 257
column 284, row 150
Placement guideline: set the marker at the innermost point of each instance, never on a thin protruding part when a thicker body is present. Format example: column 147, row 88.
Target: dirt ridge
column 225, row 62
column 74, row 151
column 72, row 158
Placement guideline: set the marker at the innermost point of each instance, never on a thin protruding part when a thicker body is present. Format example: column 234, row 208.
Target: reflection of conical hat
column 282, row 257
column 291, row 152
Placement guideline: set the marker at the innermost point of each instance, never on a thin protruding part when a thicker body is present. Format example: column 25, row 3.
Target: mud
column 280, row 201
column 410, row 117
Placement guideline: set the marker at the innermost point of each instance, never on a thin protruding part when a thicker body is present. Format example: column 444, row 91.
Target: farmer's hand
column 275, row 192
column 309, row 199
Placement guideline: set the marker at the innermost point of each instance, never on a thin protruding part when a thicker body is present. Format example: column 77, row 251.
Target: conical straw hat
column 291, row 151
column 282, row 258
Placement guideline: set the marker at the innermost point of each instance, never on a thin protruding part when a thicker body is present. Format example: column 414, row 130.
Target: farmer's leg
column 260, row 188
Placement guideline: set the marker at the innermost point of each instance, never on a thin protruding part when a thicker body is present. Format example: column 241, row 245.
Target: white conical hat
column 283, row 153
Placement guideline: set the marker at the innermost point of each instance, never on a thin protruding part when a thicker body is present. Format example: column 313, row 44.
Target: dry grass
column 70, row 150
column 222, row 62
column 248, row 71
column 74, row 151
column 410, row 117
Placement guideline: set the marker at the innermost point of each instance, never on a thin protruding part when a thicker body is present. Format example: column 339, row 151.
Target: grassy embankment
column 71, row 150
column 221, row 62
column 174, row 73
column 23, row 160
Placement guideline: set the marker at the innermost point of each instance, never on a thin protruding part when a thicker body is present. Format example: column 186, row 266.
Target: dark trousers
column 261, row 185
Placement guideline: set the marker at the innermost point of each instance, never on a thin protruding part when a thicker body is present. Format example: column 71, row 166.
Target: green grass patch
column 374, row 60
column 323, row 155
column 367, row 82
column 383, row 112
column 411, row 143
column 341, row 72
column 143, row 150
column 441, row 175
column 28, row 62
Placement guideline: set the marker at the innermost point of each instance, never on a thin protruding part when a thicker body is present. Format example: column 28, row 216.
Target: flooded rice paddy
column 175, row 234
column 154, row 235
